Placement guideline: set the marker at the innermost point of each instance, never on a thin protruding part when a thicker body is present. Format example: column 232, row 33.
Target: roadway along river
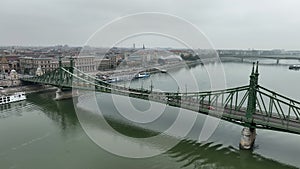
column 41, row 133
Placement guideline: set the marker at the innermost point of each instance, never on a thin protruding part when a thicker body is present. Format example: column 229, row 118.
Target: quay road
column 128, row 73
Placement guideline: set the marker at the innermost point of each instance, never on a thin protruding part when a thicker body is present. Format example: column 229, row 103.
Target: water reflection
column 192, row 154
column 210, row 155
column 186, row 154
column 12, row 109
column 62, row 112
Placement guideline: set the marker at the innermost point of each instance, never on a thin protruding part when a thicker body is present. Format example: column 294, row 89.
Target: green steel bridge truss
column 250, row 105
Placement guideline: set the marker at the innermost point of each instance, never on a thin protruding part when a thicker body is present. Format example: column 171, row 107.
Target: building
column 9, row 62
column 169, row 59
column 29, row 65
column 146, row 57
column 85, row 63
column 4, row 65
column 103, row 64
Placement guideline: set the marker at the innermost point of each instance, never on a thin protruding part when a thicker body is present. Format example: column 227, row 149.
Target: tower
column 249, row 131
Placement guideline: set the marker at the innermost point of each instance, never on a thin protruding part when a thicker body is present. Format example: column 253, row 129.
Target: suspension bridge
column 252, row 106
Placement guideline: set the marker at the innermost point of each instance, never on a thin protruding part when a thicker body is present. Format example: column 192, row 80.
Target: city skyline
column 139, row 46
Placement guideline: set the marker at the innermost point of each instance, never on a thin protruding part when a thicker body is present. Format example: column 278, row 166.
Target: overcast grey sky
column 259, row 24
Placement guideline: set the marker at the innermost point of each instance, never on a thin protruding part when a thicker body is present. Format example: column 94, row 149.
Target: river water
column 41, row 133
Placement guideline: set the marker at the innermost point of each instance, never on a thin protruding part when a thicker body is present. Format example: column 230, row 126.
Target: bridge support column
column 58, row 94
column 249, row 131
column 248, row 138
column 63, row 94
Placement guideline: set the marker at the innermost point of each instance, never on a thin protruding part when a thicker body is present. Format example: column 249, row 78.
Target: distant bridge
column 277, row 58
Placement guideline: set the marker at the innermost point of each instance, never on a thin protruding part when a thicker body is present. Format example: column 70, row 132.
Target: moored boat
column 18, row 96
column 163, row 71
column 142, row 75
column 294, row 67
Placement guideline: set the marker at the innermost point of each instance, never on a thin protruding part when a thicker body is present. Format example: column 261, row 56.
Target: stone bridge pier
column 248, row 138
column 63, row 93
column 277, row 61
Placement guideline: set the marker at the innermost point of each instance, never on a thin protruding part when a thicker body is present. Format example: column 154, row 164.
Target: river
column 41, row 133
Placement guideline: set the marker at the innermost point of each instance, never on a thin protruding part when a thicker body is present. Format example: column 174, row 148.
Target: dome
column 13, row 71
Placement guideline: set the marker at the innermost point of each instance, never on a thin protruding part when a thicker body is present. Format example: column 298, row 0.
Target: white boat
column 294, row 67
column 163, row 71
column 18, row 96
column 142, row 75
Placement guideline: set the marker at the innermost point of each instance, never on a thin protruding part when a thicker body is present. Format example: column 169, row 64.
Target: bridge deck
column 273, row 122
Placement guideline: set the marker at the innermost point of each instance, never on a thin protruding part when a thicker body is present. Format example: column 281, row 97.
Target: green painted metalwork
column 251, row 105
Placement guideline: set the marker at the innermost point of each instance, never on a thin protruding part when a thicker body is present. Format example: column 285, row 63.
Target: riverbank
column 126, row 74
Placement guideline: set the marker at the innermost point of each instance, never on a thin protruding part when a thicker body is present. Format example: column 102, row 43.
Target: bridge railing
column 232, row 99
column 56, row 77
column 227, row 102
column 271, row 104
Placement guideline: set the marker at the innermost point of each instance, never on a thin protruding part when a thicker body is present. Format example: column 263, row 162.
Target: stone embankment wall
column 9, row 83
column 27, row 89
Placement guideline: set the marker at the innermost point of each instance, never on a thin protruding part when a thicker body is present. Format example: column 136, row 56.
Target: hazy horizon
column 228, row 24
column 137, row 47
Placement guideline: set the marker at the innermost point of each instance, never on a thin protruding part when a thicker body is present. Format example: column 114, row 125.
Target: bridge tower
column 60, row 70
column 249, row 131
column 72, row 64
column 63, row 93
